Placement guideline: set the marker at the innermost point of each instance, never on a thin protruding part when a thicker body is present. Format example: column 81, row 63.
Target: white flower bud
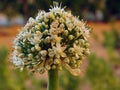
column 47, row 40
column 18, row 61
column 60, row 67
column 39, row 24
column 74, row 66
column 56, row 61
column 43, row 58
column 66, row 32
column 46, row 20
column 71, row 37
column 37, row 47
column 81, row 41
column 61, row 20
column 51, row 15
column 61, row 25
column 41, row 70
column 31, row 19
column 18, row 48
column 87, row 45
column 87, row 52
column 33, row 49
column 21, row 55
column 46, row 31
column 36, row 40
column 66, row 60
column 30, row 56
column 46, row 26
column 28, row 35
column 37, row 56
column 78, row 34
column 28, row 50
column 48, row 67
column 43, row 23
column 53, row 66
column 51, row 54
column 43, row 52
column 79, row 62
column 73, row 60
column 76, row 42
column 38, row 33
column 71, row 50
column 37, row 27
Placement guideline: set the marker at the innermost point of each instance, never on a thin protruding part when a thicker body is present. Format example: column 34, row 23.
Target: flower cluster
column 52, row 40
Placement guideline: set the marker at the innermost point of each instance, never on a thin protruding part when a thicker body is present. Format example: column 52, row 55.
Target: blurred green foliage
column 112, row 44
column 100, row 74
column 11, row 79
column 112, row 38
column 68, row 81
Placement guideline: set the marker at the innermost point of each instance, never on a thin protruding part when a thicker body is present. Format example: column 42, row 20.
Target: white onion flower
column 51, row 40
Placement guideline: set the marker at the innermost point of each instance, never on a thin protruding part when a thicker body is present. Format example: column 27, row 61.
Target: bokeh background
column 101, row 70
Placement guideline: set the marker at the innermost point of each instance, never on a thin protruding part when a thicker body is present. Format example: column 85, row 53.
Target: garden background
column 101, row 70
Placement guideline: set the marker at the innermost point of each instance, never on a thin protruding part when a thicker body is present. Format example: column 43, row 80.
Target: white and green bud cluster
column 51, row 39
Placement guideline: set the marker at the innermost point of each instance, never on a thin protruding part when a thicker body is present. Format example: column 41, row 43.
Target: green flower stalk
column 52, row 40
column 53, row 83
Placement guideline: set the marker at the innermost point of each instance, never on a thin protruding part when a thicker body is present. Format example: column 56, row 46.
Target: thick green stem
column 53, row 80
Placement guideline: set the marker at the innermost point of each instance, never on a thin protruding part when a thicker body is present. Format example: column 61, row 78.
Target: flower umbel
column 51, row 40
